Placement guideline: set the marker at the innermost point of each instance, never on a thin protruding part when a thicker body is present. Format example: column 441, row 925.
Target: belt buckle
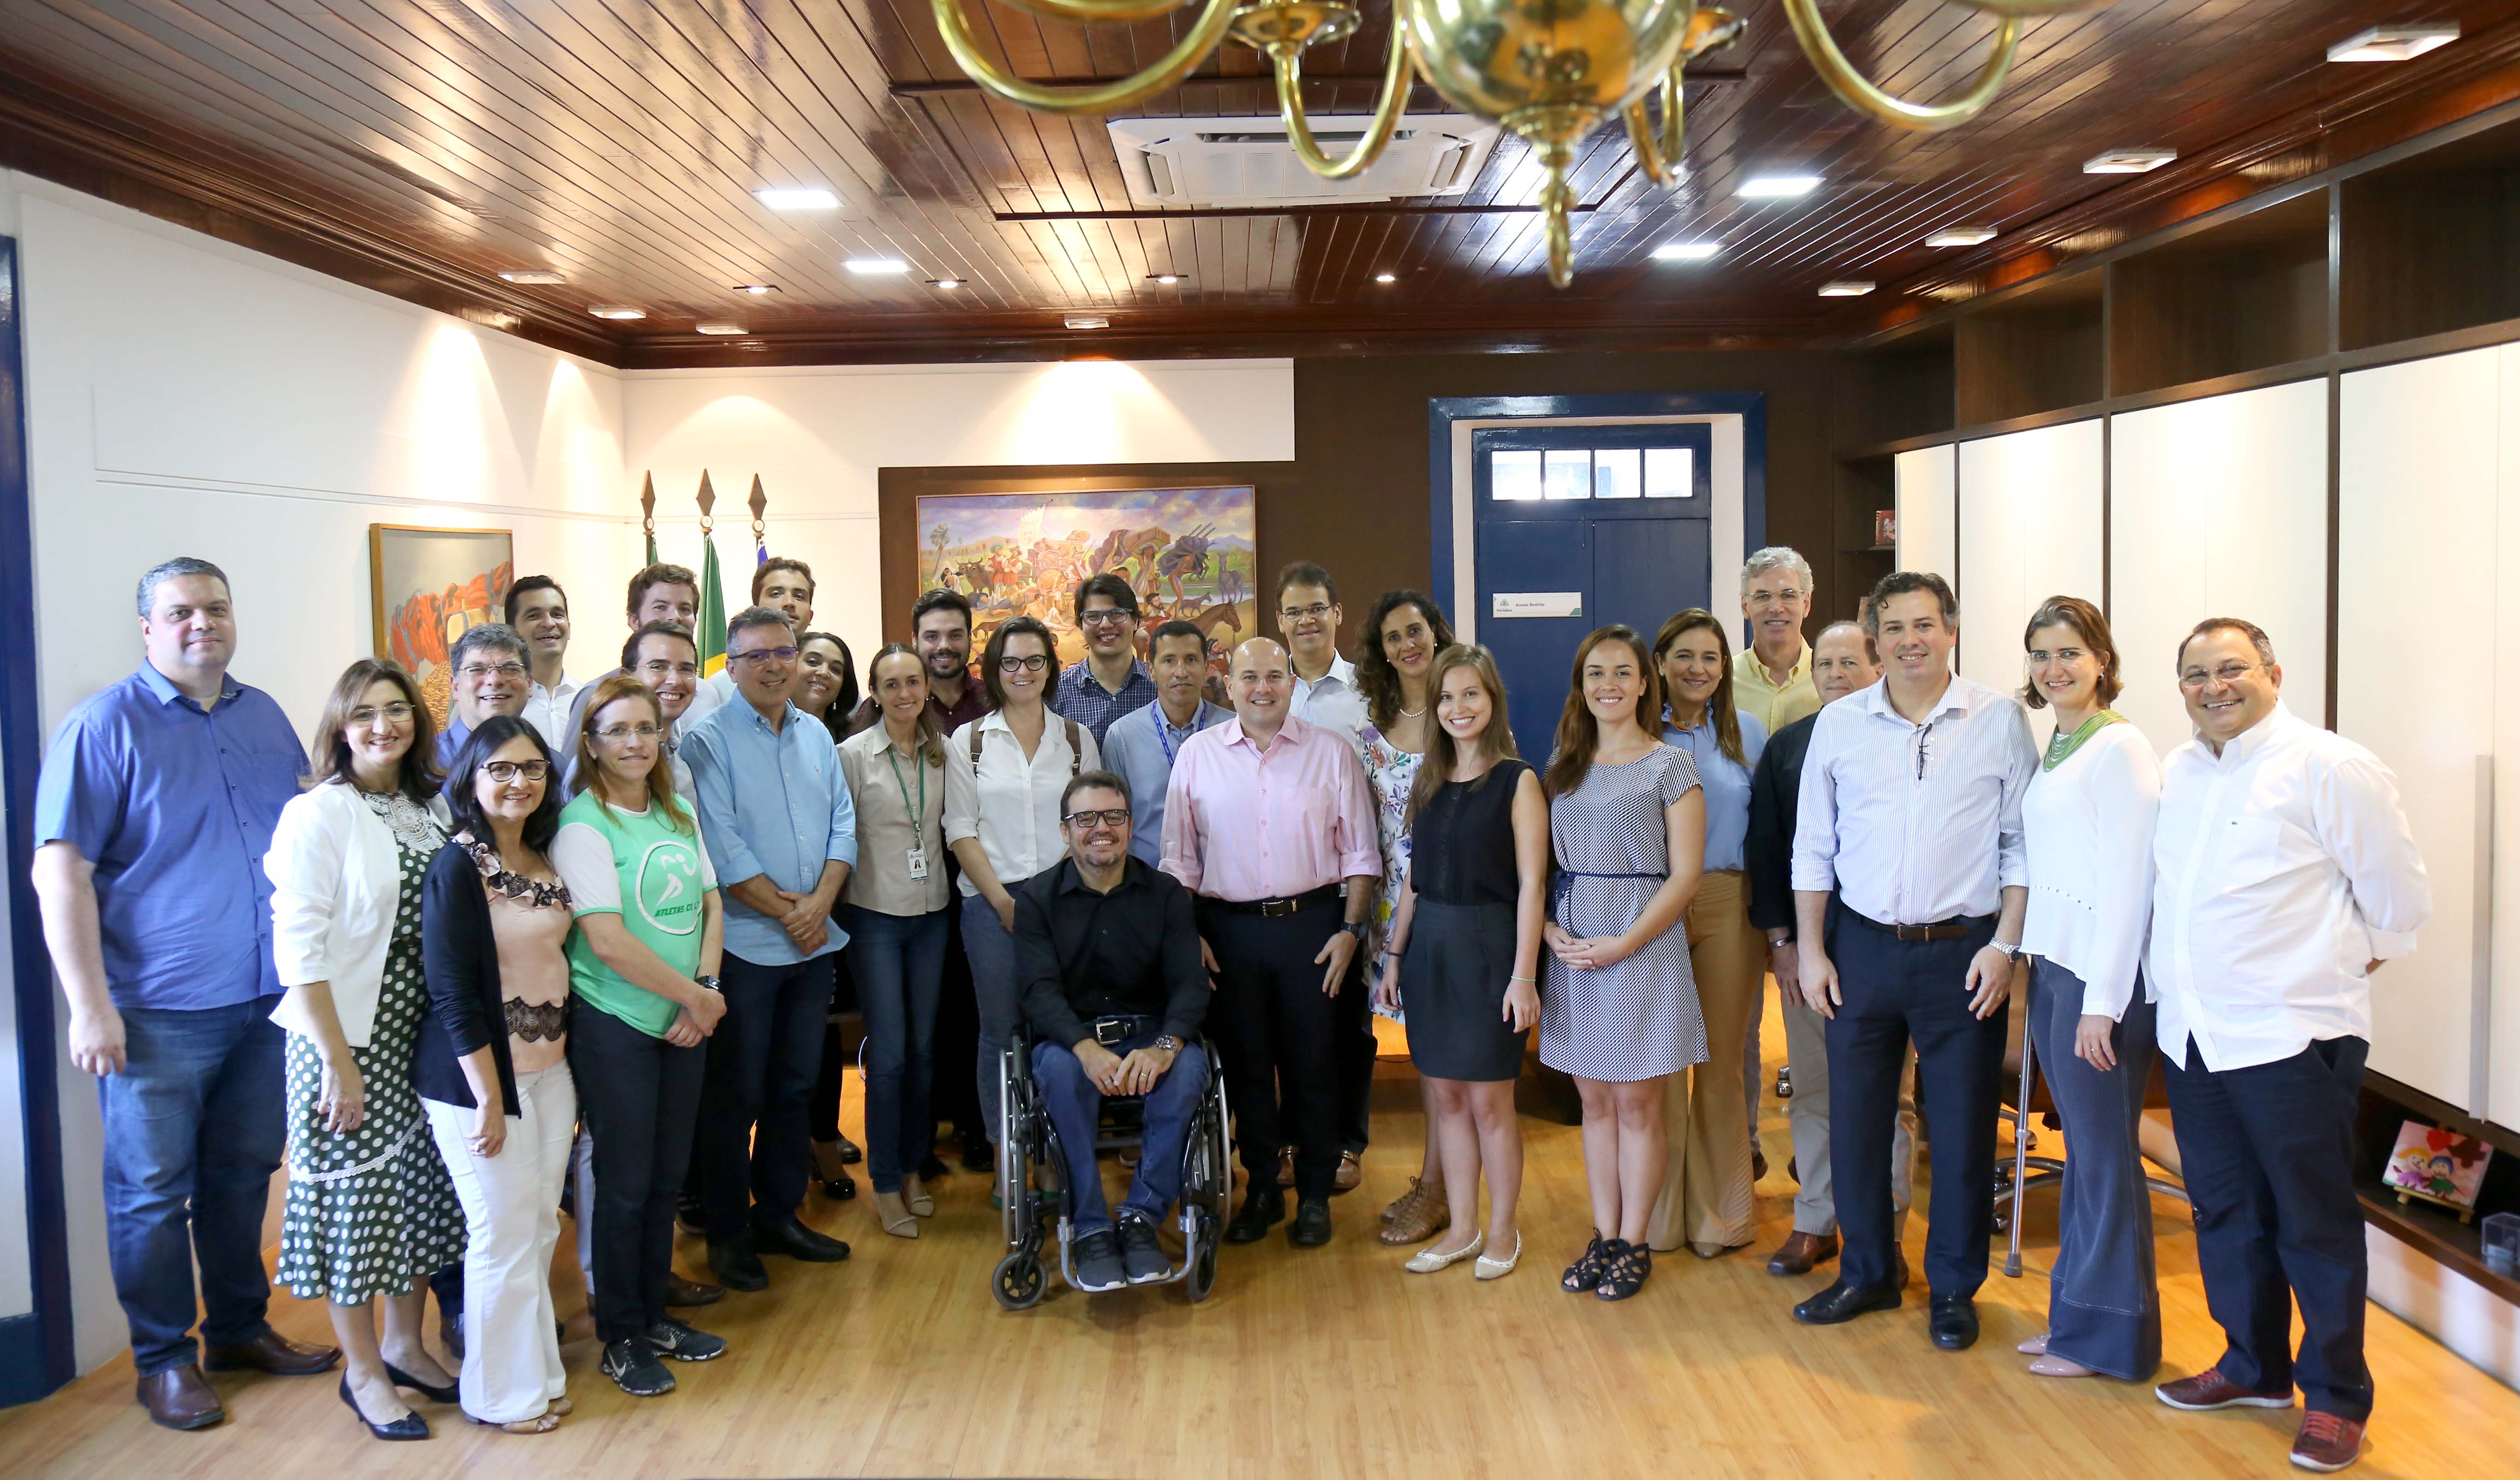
column 1915, row 932
column 1108, row 1031
column 1271, row 909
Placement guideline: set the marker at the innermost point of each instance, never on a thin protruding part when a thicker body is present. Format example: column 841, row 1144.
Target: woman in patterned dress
column 371, row 1210
column 1627, row 819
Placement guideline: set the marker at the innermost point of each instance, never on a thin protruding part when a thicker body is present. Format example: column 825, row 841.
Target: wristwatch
column 1168, row 1043
column 2010, row 953
column 1354, row 927
column 709, row 982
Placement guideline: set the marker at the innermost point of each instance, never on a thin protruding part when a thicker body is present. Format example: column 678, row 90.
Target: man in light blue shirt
column 1140, row 744
column 781, row 831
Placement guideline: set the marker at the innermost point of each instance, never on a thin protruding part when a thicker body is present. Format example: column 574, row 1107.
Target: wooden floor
column 1321, row 1363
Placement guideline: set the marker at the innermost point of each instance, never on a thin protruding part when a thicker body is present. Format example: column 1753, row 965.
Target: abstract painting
column 427, row 586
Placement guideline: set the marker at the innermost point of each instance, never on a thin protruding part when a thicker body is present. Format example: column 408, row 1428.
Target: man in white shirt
column 785, row 585
column 1910, row 887
column 658, row 592
column 2285, row 872
column 539, row 611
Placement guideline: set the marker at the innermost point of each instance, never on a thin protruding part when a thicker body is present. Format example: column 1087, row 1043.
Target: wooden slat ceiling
column 619, row 142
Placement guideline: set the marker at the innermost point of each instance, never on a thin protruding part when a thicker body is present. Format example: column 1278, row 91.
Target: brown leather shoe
column 682, row 1294
column 1800, row 1251
column 2328, row 1442
column 1286, row 1166
column 272, row 1353
column 2210, row 1389
column 1351, row 1171
column 180, row 1398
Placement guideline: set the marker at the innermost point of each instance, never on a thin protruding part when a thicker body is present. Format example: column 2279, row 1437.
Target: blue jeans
column 899, row 963
column 194, row 1126
column 992, row 953
column 1075, row 1106
column 2103, row 1302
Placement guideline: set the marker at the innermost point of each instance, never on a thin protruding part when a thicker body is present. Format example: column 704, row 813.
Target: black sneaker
column 1142, row 1252
column 671, row 1339
column 632, row 1363
column 1097, row 1262
column 736, row 1264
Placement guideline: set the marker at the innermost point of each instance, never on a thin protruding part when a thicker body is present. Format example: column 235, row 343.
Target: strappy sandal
column 1419, row 1214
column 549, row 1420
column 1585, row 1272
column 1630, row 1264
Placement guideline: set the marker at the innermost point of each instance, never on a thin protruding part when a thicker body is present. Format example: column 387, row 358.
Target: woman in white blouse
column 2088, row 823
column 1004, row 772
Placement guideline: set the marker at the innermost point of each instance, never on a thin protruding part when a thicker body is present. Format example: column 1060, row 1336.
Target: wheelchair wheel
column 1202, row 1270
column 1020, row 1281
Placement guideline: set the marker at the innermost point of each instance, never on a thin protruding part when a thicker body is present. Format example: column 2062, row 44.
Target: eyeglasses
column 367, row 714
column 614, row 735
column 760, row 656
column 660, row 669
column 1117, row 817
column 479, row 671
column 1032, row 664
column 2229, row 672
column 504, row 772
column 1116, row 617
column 1787, row 594
column 1314, row 612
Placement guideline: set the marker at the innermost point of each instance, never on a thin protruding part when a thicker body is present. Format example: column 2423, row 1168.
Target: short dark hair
column 756, row 616
column 486, row 635
column 936, row 599
column 463, row 800
column 1088, row 780
column 674, row 630
column 1903, row 583
column 1018, row 626
column 2256, row 634
column 1122, row 594
column 1872, row 649
column 516, row 594
column 661, row 574
column 761, row 573
column 166, row 570
column 1177, row 628
column 2092, row 628
column 1306, row 573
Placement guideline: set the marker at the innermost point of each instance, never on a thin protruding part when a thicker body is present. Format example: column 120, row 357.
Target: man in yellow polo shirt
column 1771, row 678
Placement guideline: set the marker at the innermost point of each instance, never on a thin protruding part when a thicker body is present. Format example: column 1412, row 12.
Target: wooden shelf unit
column 2431, row 243
column 1901, row 389
column 2032, row 352
column 1865, row 486
column 2244, row 295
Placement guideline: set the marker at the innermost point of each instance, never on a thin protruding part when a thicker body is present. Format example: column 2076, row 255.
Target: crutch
column 2020, row 1150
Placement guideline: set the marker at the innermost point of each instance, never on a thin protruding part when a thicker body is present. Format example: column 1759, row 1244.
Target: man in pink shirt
column 1264, row 820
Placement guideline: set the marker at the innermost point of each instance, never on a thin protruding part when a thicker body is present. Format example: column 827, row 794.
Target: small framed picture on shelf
column 1886, row 528
column 2437, row 1166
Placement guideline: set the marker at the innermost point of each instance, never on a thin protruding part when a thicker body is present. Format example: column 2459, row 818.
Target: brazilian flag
column 711, row 634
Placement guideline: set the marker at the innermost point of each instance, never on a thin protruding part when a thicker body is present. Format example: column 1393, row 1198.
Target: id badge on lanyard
column 917, row 854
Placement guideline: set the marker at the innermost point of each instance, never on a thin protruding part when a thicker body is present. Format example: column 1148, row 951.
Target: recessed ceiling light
column 1166, row 278
column 717, row 329
column 876, row 267
column 1686, row 251
column 944, row 282
column 535, row 275
column 1386, row 277
column 752, row 345
column 1962, row 236
column 2394, row 43
column 616, row 311
column 1849, row 288
column 757, row 289
column 1087, row 321
column 1776, row 187
column 803, row 199
column 2128, row 161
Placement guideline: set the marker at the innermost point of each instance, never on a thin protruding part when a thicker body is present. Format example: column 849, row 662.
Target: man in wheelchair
column 1108, row 957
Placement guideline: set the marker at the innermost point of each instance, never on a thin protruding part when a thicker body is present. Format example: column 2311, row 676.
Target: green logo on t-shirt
column 670, row 886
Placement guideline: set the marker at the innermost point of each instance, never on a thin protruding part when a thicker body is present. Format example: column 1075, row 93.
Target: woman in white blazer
column 371, row 1208
column 2086, row 821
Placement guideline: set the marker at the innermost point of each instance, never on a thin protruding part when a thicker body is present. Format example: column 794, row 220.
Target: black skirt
column 1452, row 985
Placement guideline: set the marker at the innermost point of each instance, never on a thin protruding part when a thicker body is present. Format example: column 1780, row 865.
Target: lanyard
column 917, row 814
column 1164, row 731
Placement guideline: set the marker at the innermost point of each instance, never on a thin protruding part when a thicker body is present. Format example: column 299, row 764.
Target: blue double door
column 1579, row 527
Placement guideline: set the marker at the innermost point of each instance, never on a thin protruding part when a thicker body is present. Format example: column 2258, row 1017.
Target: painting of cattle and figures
column 1189, row 553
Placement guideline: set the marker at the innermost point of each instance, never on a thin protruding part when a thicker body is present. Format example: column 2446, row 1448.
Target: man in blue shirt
column 1142, row 744
column 1112, row 682
column 781, row 829
column 491, row 675
column 157, row 804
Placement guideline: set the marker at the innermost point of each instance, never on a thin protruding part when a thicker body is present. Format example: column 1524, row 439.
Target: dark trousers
column 1075, row 1106
column 1281, row 1039
column 823, row 1110
column 954, row 1093
column 899, row 963
column 2267, row 1154
column 194, row 1126
column 639, row 1097
column 1900, row 992
column 762, row 1064
column 1353, row 1015
column 2103, row 1306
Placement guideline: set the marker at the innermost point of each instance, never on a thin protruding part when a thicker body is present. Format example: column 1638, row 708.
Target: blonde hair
column 660, row 776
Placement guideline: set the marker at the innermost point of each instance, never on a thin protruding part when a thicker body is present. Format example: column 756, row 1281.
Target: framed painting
column 427, row 586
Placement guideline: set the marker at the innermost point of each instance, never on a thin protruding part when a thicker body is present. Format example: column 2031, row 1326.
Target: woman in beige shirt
column 896, row 899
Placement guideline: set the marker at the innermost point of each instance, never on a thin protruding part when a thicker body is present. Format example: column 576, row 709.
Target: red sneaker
column 2210, row 1389
column 2326, row 1442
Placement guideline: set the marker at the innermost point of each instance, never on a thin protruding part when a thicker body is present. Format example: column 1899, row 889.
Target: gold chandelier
column 1550, row 70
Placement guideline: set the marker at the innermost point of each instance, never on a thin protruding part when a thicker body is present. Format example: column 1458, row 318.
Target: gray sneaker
column 1097, row 1262
column 1142, row 1252
column 672, row 1338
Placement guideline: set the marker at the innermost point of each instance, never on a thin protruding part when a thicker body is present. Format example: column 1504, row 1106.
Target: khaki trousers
column 1706, row 1189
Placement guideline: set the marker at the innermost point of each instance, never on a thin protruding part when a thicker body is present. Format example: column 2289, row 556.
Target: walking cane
column 2020, row 1150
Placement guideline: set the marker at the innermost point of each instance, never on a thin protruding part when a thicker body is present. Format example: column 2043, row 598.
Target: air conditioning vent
column 1247, row 162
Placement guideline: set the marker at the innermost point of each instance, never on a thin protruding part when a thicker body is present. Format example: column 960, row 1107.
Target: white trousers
column 512, row 1367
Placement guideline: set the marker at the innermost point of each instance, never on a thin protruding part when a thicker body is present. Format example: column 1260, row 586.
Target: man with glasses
column 1308, row 618
column 1108, row 960
column 781, row 832
column 491, row 677
column 2285, row 873
column 1112, row 680
column 538, row 611
column 1771, row 677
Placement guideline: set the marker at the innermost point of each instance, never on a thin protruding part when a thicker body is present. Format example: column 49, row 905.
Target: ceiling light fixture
column 2394, row 43
column 810, row 197
column 876, row 267
column 1776, row 187
column 616, row 311
column 1087, row 321
column 944, row 282
column 720, row 329
column 1686, row 251
column 1168, row 279
column 535, row 275
column 1386, row 277
column 2128, row 161
column 1848, row 287
column 756, row 290
column 1962, row 236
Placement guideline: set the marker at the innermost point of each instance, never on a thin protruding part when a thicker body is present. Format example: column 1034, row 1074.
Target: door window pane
column 1617, row 473
column 1671, row 473
column 1568, row 474
column 1514, row 476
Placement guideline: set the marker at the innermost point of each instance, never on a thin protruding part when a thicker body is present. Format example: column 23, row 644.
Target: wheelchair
column 1032, row 1178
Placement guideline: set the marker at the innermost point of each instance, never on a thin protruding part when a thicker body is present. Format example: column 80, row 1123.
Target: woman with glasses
column 896, row 903
column 827, row 688
column 369, row 1213
column 643, row 980
column 1004, row 772
column 495, row 921
column 2087, row 826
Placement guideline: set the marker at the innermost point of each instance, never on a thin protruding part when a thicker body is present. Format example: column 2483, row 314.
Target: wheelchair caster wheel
column 1202, row 1275
column 1018, row 1281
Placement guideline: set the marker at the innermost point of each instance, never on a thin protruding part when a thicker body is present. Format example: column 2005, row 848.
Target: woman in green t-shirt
column 643, row 968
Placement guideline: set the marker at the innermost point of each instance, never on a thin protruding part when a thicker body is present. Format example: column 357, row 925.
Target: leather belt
column 1957, row 927
column 1274, row 908
column 1119, row 1028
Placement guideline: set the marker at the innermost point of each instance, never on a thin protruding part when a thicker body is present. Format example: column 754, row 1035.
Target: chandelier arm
column 1108, row 10
column 2032, row 7
column 1860, row 94
column 1096, row 98
column 1660, row 162
column 1556, row 203
column 1386, row 112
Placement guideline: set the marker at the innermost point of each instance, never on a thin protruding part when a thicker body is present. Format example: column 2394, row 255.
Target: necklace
column 1417, row 713
column 2061, row 746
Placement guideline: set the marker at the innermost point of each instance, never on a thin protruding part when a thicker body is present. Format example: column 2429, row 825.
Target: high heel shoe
column 1427, row 1261
column 895, row 1216
column 1585, row 1272
column 2049, row 1365
column 409, row 1426
column 916, row 1197
column 830, row 1169
column 1498, row 1269
column 1627, row 1265
column 2036, row 1346
column 450, row 1393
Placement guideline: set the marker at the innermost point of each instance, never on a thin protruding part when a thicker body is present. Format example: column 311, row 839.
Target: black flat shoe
column 408, row 1426
column 400, row 1378
column 850, row 1151
column 1585, row 1274
column 736, row 1264
column 1262, row 1208
column 1625, row 1273
column 1954, row 1323
column 1842, row 1302
column 1312, row 1226
column 792, row 1238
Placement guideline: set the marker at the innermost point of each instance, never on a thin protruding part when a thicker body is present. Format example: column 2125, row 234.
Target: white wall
column 1927, row 482
column 2029, row 529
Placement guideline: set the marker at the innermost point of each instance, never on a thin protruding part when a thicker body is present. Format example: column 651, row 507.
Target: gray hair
column 1776, row 557
column 497, row 636
column 166, row 570
column 758, row 616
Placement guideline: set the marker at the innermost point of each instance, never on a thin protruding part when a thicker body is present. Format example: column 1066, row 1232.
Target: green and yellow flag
column 711, row 621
